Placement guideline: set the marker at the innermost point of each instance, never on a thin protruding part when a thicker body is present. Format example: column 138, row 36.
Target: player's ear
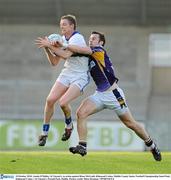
column 72, row 26
column 101, row 43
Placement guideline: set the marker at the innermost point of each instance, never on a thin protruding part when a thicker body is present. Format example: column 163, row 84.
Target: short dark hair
column 71, row 19
column 101, row 36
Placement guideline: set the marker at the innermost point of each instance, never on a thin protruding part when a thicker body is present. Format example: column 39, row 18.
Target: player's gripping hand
column 60, row 44
column 56, row 43
column 42, row 42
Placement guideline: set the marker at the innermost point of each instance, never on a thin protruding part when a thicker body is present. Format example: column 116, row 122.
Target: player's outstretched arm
column 64, row 54
column 78, row 49
column 72, row 48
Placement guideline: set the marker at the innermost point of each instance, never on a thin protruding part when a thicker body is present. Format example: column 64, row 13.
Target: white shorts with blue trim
column 107, row 100
column 79, row 79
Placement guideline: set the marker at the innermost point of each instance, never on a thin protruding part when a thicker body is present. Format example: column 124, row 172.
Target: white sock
column 69, row 126
column 152, row 146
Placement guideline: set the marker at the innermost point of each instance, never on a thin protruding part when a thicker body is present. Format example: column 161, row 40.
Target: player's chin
column 63, row 32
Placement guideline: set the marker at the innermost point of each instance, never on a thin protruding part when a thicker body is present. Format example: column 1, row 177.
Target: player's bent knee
column 81, row 114
column 50, row 101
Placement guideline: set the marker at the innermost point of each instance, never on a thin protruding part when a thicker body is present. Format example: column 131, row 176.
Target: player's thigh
column 72, row 93
column 86, row 108
column 57, row 91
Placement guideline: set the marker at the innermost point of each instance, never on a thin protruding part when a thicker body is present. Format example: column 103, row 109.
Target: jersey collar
column 75, row 32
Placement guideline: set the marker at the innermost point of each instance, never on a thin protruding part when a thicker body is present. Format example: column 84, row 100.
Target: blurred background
column 138, row 41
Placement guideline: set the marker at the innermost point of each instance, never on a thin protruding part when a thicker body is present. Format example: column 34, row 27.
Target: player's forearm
column 78, row 49
column 60, row 52
column 53, row 60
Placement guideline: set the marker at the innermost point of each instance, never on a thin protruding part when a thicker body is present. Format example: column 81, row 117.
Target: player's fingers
column 37, row 44
column 40, row 46
column 39, row 38
column 56, row 43
column 51, row 42
column 46, row 38
column 37, row 41
column 60, row 43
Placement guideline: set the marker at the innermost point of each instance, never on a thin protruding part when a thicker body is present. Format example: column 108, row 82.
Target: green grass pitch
column 41, row 162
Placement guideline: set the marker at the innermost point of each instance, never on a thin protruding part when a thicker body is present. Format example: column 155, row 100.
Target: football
column 55, row 37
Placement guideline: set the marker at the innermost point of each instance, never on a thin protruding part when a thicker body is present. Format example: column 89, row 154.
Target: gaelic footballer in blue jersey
column 107, row 95
column 72, row 79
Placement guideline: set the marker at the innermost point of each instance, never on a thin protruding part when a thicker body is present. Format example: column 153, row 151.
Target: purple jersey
column 101, row 69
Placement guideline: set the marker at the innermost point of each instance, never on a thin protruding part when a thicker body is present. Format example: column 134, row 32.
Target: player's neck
column 69, row 34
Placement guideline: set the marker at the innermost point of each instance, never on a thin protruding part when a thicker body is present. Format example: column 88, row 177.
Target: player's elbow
column 88, row 51
column 53, row 64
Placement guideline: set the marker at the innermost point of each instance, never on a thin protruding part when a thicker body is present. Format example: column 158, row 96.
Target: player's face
column 66, row 27
column 94, row 40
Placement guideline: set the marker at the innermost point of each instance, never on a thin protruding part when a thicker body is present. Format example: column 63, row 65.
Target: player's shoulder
column 77, row 39
column 78, row 35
